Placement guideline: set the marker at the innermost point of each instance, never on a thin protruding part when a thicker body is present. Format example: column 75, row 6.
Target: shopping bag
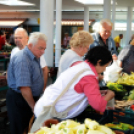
column 112, row 72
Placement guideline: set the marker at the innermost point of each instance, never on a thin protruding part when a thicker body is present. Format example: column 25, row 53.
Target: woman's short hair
column 81, row 38
column 35, row 37
column 99, row 53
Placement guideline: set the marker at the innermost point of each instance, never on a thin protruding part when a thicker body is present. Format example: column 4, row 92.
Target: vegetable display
column 126, row 79
column 72, row 127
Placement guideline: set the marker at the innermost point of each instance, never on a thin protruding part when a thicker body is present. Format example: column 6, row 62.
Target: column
column 58, row 32
column 107, row 9
column 46, row 27
column 129, row 24
column 86, row 18
column 113, row 15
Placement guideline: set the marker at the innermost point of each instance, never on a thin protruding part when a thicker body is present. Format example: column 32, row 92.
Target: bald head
column 21, row 38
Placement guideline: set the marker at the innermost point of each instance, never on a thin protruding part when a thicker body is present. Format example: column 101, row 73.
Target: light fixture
column 16, row 3
column 11, row 22
column 91, row 2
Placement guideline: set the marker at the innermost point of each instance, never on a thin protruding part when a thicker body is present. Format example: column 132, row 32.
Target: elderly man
column 103, row 37
column 21, row 39
column 25, row 81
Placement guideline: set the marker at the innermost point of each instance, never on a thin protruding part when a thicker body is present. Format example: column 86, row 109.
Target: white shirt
column 67, row 59
column 42, row 58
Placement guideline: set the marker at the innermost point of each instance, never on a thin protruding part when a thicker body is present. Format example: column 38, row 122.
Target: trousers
column 19, row 112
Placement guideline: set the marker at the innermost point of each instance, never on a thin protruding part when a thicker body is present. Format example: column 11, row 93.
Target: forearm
column 27, row 95
column 109, row 95
column 45, row 73
column 120, row 64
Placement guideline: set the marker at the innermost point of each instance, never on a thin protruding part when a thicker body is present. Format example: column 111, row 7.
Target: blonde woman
column 126, row 57
column 79, row 44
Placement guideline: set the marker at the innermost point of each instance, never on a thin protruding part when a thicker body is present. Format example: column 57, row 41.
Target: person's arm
column 90, row 87
column 113, row 47
column 108, row 94
column 44, row 69
column 45, row 74
column 120, row 63
column 27, row 95
column 117, row 45
column 114, row 56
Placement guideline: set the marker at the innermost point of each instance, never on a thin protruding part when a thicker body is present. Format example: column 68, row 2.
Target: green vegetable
column 131, row 97
column 119, row 86
column 115, row 87
column 125, row 97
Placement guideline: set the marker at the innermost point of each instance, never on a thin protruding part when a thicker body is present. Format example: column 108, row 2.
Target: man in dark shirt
column 103, row 37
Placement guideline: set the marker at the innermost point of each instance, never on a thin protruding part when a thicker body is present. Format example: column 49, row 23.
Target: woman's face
column 83, row 50
column 100, row 68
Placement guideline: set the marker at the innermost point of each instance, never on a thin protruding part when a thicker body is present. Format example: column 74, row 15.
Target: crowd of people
column 80, row 73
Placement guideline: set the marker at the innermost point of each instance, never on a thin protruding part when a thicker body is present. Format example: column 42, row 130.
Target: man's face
column 21, row 39
column 105, row 31
column 38, row 49
column 121, row 37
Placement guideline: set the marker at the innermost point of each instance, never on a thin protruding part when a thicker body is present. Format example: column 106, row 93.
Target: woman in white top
column 79, row 44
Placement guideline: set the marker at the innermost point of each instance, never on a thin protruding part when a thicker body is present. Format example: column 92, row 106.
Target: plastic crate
column 115, row 116
column 89, row 112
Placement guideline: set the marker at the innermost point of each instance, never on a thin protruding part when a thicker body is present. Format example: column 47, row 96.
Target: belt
column 35, row 97
column 14, row 91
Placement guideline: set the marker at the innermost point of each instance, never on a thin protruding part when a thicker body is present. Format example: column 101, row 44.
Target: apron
column 49, row 111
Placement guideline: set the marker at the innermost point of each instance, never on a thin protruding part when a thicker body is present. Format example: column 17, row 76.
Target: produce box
column 119, row 119
column 118, row 89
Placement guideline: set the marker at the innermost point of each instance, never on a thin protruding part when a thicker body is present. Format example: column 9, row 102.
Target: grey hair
column 20, row 29
column 107, row 21
column 35, row 36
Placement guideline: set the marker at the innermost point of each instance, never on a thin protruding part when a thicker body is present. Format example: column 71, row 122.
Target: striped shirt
column 127, row 58
column 25, row 71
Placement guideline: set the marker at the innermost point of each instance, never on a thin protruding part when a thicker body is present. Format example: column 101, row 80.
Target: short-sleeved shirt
column 24, row 71
column 42, row 58
column 127, row 58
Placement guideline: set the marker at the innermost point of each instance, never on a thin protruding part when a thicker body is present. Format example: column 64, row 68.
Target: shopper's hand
column 103, row 92
column 114, row 56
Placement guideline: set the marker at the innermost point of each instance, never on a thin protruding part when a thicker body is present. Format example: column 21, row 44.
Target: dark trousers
column 19, row 112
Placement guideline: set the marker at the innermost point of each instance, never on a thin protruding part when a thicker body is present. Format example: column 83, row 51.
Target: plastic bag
column 112, row 72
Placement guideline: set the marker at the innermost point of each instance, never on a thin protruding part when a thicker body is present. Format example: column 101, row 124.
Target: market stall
column 117, row 121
